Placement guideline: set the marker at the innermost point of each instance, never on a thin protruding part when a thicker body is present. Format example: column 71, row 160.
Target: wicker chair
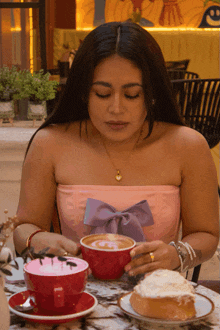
column 199, row 101
column 177, row 65
column 181, row 74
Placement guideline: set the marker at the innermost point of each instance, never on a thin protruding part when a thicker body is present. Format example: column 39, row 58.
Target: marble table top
column 107, row 315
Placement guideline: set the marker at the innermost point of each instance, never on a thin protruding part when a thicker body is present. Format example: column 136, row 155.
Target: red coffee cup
column 56, row 285
column 107, row 254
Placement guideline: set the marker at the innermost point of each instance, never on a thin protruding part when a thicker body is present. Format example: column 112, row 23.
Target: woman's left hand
column 150, row 256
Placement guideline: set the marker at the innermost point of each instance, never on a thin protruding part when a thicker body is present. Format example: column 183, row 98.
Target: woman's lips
column 117, row 125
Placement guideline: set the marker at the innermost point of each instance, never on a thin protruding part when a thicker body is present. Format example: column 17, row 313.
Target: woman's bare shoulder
column 190, row 148
column 57, row 133
column 184, row 136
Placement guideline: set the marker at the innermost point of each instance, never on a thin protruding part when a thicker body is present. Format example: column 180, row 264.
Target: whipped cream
column 164, row 283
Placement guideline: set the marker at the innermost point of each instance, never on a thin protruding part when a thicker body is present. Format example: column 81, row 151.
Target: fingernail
column 131, row 273
column 132, row 253
column 127, row 268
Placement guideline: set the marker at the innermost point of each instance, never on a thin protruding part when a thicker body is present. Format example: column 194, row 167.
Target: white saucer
column 203, row 305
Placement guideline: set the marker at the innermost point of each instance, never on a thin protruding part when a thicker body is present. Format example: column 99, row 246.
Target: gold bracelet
column 28, row 242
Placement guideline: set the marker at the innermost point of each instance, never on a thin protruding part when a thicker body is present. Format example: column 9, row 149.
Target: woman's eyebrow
column 105, row 84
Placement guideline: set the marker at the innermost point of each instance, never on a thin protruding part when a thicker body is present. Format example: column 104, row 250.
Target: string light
column 31, row 50
column 163, row 29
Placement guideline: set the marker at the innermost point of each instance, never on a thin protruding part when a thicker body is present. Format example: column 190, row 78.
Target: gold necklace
column 118, row 176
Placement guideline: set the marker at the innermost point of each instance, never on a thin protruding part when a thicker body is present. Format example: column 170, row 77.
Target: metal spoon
column 26, row 306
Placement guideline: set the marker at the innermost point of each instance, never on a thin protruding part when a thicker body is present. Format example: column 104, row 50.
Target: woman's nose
column 116, row 105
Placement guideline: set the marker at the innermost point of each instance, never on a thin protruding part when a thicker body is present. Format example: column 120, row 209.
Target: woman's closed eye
column 126, row 95
column 102, row 95
column 132, row 96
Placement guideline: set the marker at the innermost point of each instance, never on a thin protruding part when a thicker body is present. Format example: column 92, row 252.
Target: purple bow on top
column 129, row 222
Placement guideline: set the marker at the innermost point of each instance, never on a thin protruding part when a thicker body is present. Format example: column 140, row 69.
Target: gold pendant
column 118, row 177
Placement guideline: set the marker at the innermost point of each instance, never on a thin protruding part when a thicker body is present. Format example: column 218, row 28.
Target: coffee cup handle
column 58, row 294
column 89, row 271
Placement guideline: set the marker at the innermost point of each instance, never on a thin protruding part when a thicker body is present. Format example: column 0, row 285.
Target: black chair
column 181, row 74
column 177, row 65
column 199, row 101
column 195, row 275
column 63, row 69
column 54, row 71
column 191, row 75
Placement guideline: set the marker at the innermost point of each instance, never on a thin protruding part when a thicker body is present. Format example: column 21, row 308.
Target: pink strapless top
column 164, row 202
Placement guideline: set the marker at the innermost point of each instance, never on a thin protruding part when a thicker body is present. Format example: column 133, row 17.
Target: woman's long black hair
column 129, row 41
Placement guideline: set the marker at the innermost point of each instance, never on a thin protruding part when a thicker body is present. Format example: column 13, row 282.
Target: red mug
column 56, row 285
column 107, row 254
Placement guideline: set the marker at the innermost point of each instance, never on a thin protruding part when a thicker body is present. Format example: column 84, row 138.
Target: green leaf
column 1, row 226
column 15, row 266
column 6, row 271
column 50, row 255
column 25, row 251
column 9, row 258
column 61, row 258
column 8, row 82
column 71, row 263
column 40, row 259
column 24, row 84
column 44, row 250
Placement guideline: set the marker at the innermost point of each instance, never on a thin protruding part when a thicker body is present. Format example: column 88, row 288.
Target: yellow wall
column 198, row 45
column 156, row 13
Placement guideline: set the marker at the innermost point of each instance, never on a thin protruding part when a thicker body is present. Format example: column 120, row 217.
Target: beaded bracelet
column 28, row 242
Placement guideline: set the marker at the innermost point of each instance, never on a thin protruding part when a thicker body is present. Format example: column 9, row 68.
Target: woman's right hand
column 57, row 243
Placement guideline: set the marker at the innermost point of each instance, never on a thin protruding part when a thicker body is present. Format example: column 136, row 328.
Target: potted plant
column 38, row 89
column 8, row 88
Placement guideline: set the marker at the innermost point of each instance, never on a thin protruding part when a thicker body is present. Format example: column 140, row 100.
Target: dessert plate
column 203, row 305
column 86, row 305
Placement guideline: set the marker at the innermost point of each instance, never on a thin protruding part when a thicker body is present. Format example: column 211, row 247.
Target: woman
column 116, row 139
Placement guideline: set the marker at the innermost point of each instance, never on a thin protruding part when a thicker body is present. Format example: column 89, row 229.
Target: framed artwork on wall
column 150, row 13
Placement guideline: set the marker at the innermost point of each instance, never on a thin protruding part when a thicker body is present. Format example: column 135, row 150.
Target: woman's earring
column 153, row 101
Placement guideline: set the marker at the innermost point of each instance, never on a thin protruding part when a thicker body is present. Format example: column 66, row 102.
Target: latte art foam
column 102, row 244
column 112, row 242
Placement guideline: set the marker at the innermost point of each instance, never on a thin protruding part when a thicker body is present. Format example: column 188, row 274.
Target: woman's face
column 116, row 99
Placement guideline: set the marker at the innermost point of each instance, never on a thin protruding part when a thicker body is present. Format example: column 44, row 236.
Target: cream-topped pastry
column 163, row 283
column 164, row 294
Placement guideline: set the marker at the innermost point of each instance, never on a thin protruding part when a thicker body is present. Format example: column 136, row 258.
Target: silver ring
column 152, row 256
